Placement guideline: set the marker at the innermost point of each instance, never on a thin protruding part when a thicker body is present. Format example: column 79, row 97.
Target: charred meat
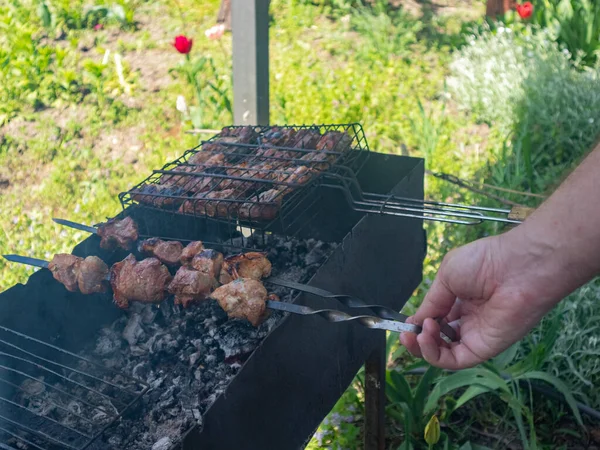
column 252, row 265
column 159, row 195
column 92, row 275
column 208, row 262
column 211, row 204
column 265, row 207
column 64, row 268
column 191, row 250
column 167, row 252
column 142, row 281
column 87, row 275
column 207, row 159
column 189, row 286
column 243, row 298
column 118, row 233
column 334, row 141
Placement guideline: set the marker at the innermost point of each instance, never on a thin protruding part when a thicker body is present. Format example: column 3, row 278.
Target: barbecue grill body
column 299, row 371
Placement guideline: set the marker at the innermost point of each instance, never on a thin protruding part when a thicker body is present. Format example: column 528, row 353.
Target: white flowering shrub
column 487, row 75
column 525, row 85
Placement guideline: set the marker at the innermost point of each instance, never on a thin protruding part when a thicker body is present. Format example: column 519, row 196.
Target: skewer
column 350, row 301
column 328, row 314
column 77, row 226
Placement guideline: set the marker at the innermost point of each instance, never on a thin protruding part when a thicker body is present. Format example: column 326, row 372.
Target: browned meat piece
column 263, row 171
column 318, row 160
column 243, row 298
column 142, row 281
column 265, row 207
column 92, row 275
column 334, row 141
column 299, row 175
column 118, row 233
column 279, row 137
column 243, row 135
column 159, row 195
column 209, row 204
column 306, row 138
column 254, row 265
column 208, row 159
column 191, row 250
column 167, row 252
column 64, row 268
column 190, row 286
column 208, row 262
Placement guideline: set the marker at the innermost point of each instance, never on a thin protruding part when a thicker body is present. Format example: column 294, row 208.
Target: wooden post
column 250, row 30
column 498, row 7
column 375, row 398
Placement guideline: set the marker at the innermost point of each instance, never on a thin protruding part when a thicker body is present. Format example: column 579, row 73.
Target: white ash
column 189, row 356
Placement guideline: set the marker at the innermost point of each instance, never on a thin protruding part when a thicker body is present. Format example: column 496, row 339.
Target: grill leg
column 375, row 397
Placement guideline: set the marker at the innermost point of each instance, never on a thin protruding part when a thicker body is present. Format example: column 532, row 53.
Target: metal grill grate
column 53, row 399
column 250, row 175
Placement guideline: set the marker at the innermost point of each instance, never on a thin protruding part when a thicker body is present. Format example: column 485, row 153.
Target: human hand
column 487, row 291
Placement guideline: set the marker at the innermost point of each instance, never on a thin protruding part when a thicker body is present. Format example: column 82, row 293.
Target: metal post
column 250, row 30
column 375, row 397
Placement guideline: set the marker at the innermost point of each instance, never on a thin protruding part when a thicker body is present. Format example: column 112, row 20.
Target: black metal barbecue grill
column 294, row 374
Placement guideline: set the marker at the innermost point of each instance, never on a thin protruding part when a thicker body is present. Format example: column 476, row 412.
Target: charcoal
column 187, row 356
column 163, row 444
column 133, row 331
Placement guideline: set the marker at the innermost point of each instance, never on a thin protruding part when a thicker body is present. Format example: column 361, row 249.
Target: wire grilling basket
column 53, row 399
column 257, row 176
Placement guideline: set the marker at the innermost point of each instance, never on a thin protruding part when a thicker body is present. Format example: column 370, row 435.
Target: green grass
column 74, row 135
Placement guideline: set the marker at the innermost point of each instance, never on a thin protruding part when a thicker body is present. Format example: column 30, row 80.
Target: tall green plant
column 575, row 23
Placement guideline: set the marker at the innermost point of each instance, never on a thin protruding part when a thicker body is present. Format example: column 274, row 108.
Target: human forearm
column 558, row 247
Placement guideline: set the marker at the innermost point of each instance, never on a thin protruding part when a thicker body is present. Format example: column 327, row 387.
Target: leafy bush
column 574, row 24
column 576, row 349
column 526, row 86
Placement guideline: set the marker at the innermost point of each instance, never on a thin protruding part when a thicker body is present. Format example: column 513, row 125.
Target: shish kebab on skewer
column 248, row 265
column 149, row 281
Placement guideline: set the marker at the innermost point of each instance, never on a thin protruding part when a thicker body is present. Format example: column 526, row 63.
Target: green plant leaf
column 468, row 377
column 398, row 388
column 44, row 14
column 559, row 386
column 423, row 389
column 506, row 357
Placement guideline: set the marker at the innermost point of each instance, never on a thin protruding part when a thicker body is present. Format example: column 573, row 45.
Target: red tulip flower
column 525, row 10
column 182, row 44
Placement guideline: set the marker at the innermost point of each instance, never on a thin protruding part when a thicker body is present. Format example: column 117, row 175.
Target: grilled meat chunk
column 118, row 233
column 243, row 298
column 159, row 195
column 306, row 138
column 92, row 276
column 190, row 286
column 264, row 208
column 253, row 265
column 167, row 252
column 334, row 141
column 142, row 281
column 208, row 262
column 209, row 204
column 64, row 268
column 191, row 250
column 299, row 175
column 208, row 159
